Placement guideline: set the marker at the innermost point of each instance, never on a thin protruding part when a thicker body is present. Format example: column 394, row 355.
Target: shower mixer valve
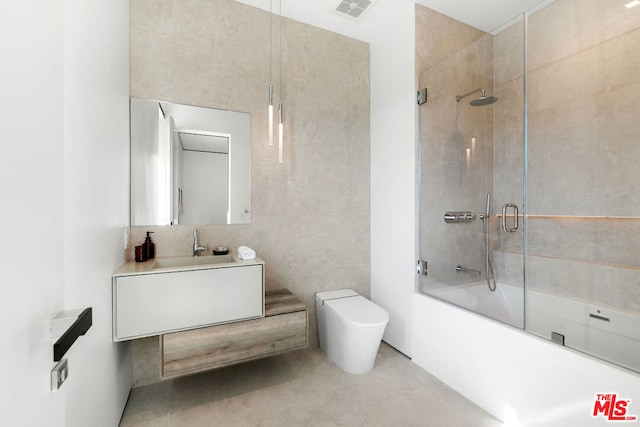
column 457, row 217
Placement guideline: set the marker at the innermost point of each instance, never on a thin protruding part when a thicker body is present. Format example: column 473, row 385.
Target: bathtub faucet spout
column 462, row 269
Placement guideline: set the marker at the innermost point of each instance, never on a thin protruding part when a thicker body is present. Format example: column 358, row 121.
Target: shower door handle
column 504, row 217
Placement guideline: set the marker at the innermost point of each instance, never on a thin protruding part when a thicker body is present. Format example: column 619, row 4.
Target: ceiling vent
column 353, row 9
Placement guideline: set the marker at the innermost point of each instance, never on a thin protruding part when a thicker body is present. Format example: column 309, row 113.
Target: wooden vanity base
column 283, row 328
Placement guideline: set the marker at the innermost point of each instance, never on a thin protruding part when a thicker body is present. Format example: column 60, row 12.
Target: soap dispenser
column 148, row 247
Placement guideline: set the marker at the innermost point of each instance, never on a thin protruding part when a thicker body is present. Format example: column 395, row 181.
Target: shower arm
column 459, row 97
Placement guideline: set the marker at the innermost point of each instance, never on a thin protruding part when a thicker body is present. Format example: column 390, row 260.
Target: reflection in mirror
column 189, row 165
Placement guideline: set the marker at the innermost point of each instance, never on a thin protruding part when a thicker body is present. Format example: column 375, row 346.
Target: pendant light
column 280, row 134
column 280, row 123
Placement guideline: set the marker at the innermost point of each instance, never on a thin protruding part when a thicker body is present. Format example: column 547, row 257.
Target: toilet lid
column 359, row 311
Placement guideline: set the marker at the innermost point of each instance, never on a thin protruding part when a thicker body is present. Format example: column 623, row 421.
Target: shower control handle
column 504, row 217
column 456, row 217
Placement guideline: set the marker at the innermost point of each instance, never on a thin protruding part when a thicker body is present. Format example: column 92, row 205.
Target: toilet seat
column 358, row 311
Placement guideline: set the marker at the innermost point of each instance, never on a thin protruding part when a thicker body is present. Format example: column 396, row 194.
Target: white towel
column 245, row 252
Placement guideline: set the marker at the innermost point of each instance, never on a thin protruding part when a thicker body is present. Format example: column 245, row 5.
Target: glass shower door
column 471, row 189
column 583, row 179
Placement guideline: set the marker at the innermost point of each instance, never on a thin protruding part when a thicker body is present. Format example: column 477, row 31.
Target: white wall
column 495, row 365
column 393, row 169
column 31, row 210
column 206, row 187
column 96, row 170
column 64, row 169
column 149, row 156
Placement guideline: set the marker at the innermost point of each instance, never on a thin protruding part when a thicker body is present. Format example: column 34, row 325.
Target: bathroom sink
column 192, row 261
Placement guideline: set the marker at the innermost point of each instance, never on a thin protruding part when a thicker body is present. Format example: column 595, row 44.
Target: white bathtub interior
column 506, row 304
column 602, row 331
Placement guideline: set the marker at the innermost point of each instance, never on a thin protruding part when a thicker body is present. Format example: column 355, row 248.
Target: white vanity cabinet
column 159, row 301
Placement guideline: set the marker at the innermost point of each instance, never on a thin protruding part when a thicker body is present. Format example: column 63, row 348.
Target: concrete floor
column 303, row 388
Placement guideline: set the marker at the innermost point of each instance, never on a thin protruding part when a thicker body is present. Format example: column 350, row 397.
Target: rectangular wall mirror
column 189, row 165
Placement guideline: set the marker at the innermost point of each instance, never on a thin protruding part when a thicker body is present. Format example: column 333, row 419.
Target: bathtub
column 506, row 304
column 597, row 330
column 512, row 374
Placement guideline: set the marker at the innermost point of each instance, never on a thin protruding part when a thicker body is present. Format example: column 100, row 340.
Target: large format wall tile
column 310, row 215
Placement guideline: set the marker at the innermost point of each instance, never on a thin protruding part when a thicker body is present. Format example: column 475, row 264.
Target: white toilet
column 350, row 328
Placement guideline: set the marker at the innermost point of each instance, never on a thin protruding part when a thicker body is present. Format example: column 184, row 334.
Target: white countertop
column 149, row 267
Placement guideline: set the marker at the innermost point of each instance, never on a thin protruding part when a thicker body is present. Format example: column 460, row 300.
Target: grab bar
column 462, row 269
column 504, row 217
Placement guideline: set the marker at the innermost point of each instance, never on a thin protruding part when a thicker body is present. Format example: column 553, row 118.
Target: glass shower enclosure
column 529, row 146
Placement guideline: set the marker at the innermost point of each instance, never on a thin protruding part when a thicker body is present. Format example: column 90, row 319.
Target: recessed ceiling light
column 631, row 4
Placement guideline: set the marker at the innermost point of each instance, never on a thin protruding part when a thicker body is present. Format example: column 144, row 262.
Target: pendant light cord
column 270, row 98
column 270, row 38
column 280, row 53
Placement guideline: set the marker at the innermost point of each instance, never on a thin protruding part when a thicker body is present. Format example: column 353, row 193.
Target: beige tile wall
column 456, row 59
column 583, row 177
column 583, row 121
column 310, row 215
column 438, row 37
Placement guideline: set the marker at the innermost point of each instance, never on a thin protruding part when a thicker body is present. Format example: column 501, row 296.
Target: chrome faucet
column 196, row 248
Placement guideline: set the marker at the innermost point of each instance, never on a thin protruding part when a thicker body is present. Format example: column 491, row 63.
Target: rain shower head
column 478, row 102
column 483, row 100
